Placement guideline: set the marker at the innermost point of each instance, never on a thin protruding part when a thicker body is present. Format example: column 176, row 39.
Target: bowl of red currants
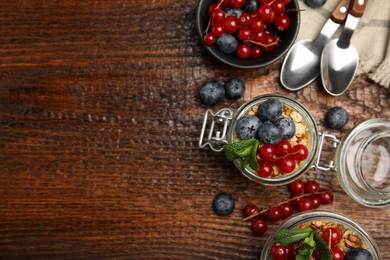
column 248, row 34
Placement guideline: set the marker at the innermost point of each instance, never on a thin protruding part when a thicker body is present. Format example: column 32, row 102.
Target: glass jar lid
column 363, row 163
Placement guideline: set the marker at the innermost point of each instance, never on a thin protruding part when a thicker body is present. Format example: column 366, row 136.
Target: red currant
column 209, row 39
column 245, row 19
column 250, row 209
column 224, row 3
column 287, row 210
column 337, row 254
column 231, row 24
column 259, row 226
column 237, row 3
column 331, row 236
column 278, row 252
column 270, row 42
column 279, row 7
column 244, row 33
column 218, row 16
column 282, row 23
column 266, row 13
column 257, row 25
column 311, row 187
column 274, row 213
column 316, row 201
column 256, row 51
column 297, row 187
column 217, row 30
column 299, row 152
column 286, row 164
column 265, row 169
column 243, row 51
column 267, row 152
column 305, row 204
column 286, row 2
column 259, row 37
column 295, row 199
column 282, row 148
column 326, row 197
column 211, row 8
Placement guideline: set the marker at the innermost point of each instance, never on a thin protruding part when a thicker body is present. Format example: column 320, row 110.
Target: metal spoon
column 340, row 59
column 302, row 63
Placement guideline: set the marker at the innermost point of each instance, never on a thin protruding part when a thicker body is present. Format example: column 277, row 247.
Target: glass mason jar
column 362, row 157
column 309, row 216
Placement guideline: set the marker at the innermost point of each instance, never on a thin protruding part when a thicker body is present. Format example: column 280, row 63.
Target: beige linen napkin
column 371, row 38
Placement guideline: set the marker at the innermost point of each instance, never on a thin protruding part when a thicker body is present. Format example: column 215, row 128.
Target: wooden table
column 100, row 121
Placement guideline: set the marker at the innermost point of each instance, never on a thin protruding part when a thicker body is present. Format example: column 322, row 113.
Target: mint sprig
column 311, row 242
column 245, row 151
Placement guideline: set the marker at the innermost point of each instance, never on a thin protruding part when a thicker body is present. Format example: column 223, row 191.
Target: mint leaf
column 322, row 248
column 288, row 236
column 253, row 163
column 307, row 248
column 245, row 150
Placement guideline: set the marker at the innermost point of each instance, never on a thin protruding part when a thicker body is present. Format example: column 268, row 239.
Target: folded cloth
column 371, row 37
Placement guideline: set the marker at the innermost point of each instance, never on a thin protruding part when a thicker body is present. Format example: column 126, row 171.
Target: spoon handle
column 358, row 7
column 340, row 12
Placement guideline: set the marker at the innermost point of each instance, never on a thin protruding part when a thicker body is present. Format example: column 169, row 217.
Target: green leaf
column 307, row 248
column 245, row 150
column 233, row 150
column 253, row 163
column 288, row 236
column 322, row 248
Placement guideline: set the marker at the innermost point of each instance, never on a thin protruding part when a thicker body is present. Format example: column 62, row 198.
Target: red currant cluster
column 304, row 196
column 283, row 155
column 254, row 30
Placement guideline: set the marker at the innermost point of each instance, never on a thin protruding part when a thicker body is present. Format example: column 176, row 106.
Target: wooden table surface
column 99, row 128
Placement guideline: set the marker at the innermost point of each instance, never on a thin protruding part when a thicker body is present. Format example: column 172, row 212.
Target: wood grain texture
column 99, row 125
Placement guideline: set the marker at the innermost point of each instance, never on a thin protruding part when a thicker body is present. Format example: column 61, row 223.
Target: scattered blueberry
column 269, row 133
column 336, row 117
column 234, row 88
column 315, row 3
column 358, row 254
column 233, row 12
column 250, row 6
column 211, row 93
column 247, row 127
column 227, row 43
column 271, row 109
column 287, row 126
column 223, row 204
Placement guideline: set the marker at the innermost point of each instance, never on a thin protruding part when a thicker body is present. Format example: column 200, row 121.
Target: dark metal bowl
column 287, row 39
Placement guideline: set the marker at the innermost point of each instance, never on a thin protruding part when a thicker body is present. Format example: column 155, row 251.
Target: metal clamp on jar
column 362, row 158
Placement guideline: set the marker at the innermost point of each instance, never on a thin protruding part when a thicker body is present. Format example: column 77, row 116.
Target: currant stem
column 280, row 203
column 265, row 45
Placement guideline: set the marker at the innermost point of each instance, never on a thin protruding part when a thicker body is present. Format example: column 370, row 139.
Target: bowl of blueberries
column 248, row 34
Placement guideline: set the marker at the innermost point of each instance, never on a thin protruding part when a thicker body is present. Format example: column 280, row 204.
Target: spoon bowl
column 339, row 66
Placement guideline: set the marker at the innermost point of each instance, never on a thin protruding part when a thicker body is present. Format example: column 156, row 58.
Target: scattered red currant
column 259, row 226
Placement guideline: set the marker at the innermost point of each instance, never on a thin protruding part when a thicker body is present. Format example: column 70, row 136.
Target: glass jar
column 305, row 217
column 362, row 157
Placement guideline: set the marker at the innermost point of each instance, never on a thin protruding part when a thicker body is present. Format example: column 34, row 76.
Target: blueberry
column 336, row 117
column 358, row 254
column 315, row 3
column 223, row 204
column 270, row 110
column 211, row 93
column 234, row 88
column 269, row 133
column 287, row 126
column 247, row 127
column 250, row 6
column 227, row 43
column 233, row 12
